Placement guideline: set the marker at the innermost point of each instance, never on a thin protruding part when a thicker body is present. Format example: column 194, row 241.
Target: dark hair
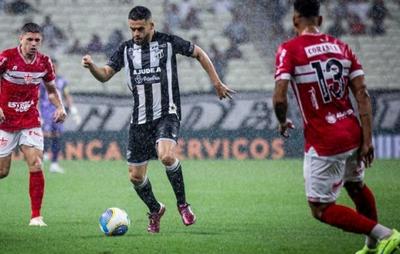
column 307, row 8
column 31, row 28
column 139, row 13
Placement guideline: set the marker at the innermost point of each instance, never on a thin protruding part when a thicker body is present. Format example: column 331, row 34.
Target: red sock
column 347, row 219
column 365, row 203
column 36, row 190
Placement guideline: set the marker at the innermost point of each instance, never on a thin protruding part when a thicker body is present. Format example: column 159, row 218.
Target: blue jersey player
column 51, row 130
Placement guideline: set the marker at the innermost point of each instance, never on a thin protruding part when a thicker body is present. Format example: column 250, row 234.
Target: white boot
column 55, row 168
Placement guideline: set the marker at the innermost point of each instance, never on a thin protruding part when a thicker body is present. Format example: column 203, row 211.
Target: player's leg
column 47, row 137
column 324, row 178
column 5, row 164
column 8, row 142
column 140, row 150
column 362, row 197
column 31, row 145
column 142, row 185
column 167, row 134
column 56, row 148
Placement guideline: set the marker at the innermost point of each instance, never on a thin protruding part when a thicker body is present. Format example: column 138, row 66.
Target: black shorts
column 143, row 138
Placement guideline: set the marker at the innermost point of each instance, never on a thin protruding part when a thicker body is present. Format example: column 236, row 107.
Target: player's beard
column 145, row 40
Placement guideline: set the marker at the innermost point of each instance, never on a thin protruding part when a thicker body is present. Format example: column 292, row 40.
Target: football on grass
column 114, row 222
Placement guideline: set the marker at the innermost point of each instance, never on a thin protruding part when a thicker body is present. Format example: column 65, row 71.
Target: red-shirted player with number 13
column 322, row 70
column 21, row 71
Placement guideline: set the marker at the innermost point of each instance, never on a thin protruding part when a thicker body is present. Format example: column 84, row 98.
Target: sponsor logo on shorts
column 3, row 142
column 34, row 133
column 335, row 186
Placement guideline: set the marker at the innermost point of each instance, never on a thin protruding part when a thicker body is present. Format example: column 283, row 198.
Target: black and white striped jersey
column 151, row 74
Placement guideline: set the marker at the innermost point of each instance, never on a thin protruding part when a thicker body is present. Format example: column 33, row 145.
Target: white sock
column 173, row 166
column 380, row 232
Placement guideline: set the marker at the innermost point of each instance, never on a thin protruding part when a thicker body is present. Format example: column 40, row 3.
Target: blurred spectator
column 184, row 8
column 191, row 20
column 95, row 45
column 195, row 39
column 221, row 6
column 76, row 48
column 219, row 60
column 172, row 17
column 336, row 29
column 126, row 2
column 356, row 26
column 378, row 13
column 19, row 7
column 233, row 52
column 236, row 31
column 52, row 34
column 359, row 8
column 2, row 6
column 339, row 10
column 114, row 40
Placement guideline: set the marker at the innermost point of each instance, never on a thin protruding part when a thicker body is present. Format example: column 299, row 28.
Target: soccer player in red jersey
column 322, row 71
column 22, row 69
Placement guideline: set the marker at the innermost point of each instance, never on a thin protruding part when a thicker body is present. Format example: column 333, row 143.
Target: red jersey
column 320, row 68
column 19, row 88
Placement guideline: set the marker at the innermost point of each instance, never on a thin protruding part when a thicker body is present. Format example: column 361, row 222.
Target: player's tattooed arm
column 280, row 100
column 280, row 107
column 360, row 92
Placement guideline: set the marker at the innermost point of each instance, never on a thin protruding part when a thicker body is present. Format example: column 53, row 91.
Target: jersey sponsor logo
column 151, row 70
column 139, row 79
column 28, row 78
column 333, row 118
column 152, row 79
column 323, row 48
column 3, row 142
column 20, row 106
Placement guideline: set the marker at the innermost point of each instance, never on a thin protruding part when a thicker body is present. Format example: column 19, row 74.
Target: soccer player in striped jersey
column 338, row 146
column 149, row 59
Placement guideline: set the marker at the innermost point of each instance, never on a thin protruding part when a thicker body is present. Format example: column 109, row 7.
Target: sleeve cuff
column 356, row 73
column 285, row 76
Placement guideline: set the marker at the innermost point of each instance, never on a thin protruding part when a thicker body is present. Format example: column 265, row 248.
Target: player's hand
column 87, row 61
column 284, row 128
column 75, row 115
column 366, row 154
column 60, row 115
column 223, row 91
column 2, row 117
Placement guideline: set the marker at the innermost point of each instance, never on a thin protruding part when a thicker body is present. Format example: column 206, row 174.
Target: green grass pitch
column 242, row 207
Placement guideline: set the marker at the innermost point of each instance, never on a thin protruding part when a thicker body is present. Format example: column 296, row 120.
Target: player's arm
column 55, row 99
column 69, row 101
column 102, row 74
column 360, row 92
column 222, row 90
column 2, row 116
column 3, row 64
column 280, row 103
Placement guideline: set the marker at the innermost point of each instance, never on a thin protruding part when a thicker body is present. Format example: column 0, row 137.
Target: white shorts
column 325, row 175
column 30, row 137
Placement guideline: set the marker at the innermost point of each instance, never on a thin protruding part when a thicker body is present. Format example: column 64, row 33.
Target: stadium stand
column 79, row 19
